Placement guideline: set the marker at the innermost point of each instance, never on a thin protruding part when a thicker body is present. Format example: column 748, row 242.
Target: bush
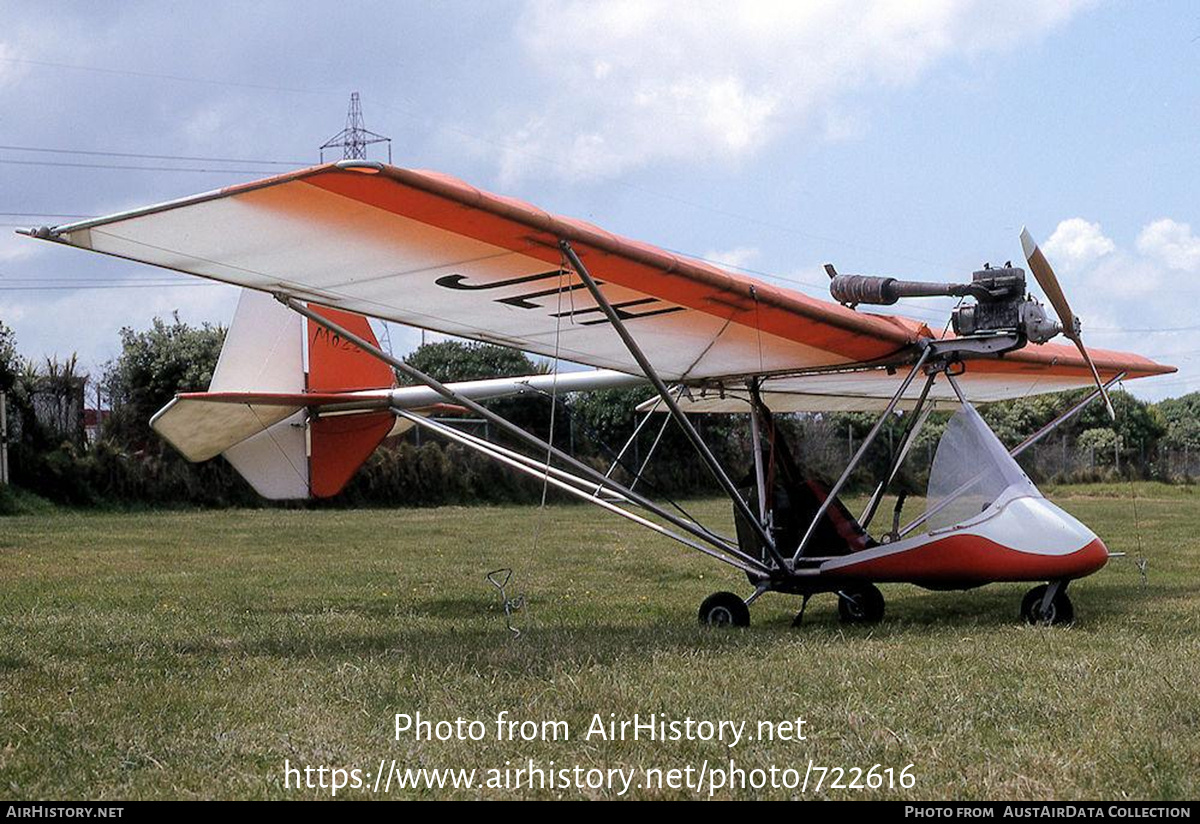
column 17, row 501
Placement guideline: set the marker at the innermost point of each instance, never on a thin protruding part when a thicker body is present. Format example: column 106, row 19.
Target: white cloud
column 88, row 321
column 1172, row 243
column 203, row 124
column 13, row 247
column 1076, row 242
column 734, row 258
column 634, row 82
column 1115, row 292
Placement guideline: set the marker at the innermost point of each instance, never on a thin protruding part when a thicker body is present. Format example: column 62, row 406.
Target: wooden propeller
column 1070, row 323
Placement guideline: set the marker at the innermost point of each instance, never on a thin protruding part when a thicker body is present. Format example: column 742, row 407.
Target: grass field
column 181, row 655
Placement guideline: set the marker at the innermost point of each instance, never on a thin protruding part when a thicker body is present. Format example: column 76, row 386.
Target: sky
column 899, row 138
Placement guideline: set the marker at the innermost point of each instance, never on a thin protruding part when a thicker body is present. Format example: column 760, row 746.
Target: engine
column 1001, row 304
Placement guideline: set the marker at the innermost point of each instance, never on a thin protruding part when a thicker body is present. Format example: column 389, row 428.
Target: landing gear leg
column 1052, row 591
column 799, row 619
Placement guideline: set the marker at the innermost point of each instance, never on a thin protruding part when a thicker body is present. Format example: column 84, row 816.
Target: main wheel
column 1060, row 610
column 860, row 604
column 724, row 609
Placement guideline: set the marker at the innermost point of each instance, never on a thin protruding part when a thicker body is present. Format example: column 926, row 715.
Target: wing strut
column 449, row 394
column 1066, row 416
column 649, row 371
column 910, row 433
column 567, row 483
column 760, row 477
column 862, row 450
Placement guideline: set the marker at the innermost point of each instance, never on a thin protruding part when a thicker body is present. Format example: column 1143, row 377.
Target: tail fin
column 341, row 443
column 337, row 365
column 259, row 410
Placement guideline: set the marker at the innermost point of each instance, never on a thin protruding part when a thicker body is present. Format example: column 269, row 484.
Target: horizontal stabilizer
column 290, row 433
column 262, row 354
column 202, row 429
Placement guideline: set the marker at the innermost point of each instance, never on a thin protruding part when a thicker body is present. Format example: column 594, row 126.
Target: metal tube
column 918, row 425
column 717, row 538
column 833, row 493
column 760, row 477
column 482, row 445
column 912, row 429
column 1063, row 418
column 506, row 425
column 662, row 430
column 636, row 431
column 957, row 390
column 4, row 437
column 533, row 463
column 538, row 472
column 649, row 371
column 642, row 464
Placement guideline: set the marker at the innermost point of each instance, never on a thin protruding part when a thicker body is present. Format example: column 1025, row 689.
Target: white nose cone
column 1034, row 525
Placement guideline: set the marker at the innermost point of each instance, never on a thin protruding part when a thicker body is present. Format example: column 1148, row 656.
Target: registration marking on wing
column 648, row 306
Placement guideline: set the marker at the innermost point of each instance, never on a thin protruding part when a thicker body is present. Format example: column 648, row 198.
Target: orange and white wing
column 428, row 250
column 1032, row 371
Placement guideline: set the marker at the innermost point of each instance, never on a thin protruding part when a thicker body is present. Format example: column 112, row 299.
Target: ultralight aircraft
column 303, row 393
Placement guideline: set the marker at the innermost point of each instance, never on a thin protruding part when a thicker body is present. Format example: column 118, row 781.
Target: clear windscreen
column 971, row 469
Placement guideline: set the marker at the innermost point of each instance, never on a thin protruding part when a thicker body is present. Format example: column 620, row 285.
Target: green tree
column 1015, row 420
column 1181, row 419
column 608, row 415
column 451, row 361
column 1101, row 444
column 154, row 365
column 1139, row 424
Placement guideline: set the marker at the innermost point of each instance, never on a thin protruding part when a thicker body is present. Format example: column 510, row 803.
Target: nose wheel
column 861, row 604
column 1047, row 604
column 724, row 609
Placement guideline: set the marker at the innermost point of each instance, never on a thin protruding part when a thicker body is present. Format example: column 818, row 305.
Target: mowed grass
column 187, row 655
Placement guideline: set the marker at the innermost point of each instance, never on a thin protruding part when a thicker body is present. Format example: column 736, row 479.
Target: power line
column 160, row 76
column 817, row 290
column 415, row 112
column 354, row 139
column 1185, row 353
column 1168, row 384
column 41, row 214
column 1150, row 330
column 562, row 164
column 97, row 153
column 131, row 168
column 83, row 287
